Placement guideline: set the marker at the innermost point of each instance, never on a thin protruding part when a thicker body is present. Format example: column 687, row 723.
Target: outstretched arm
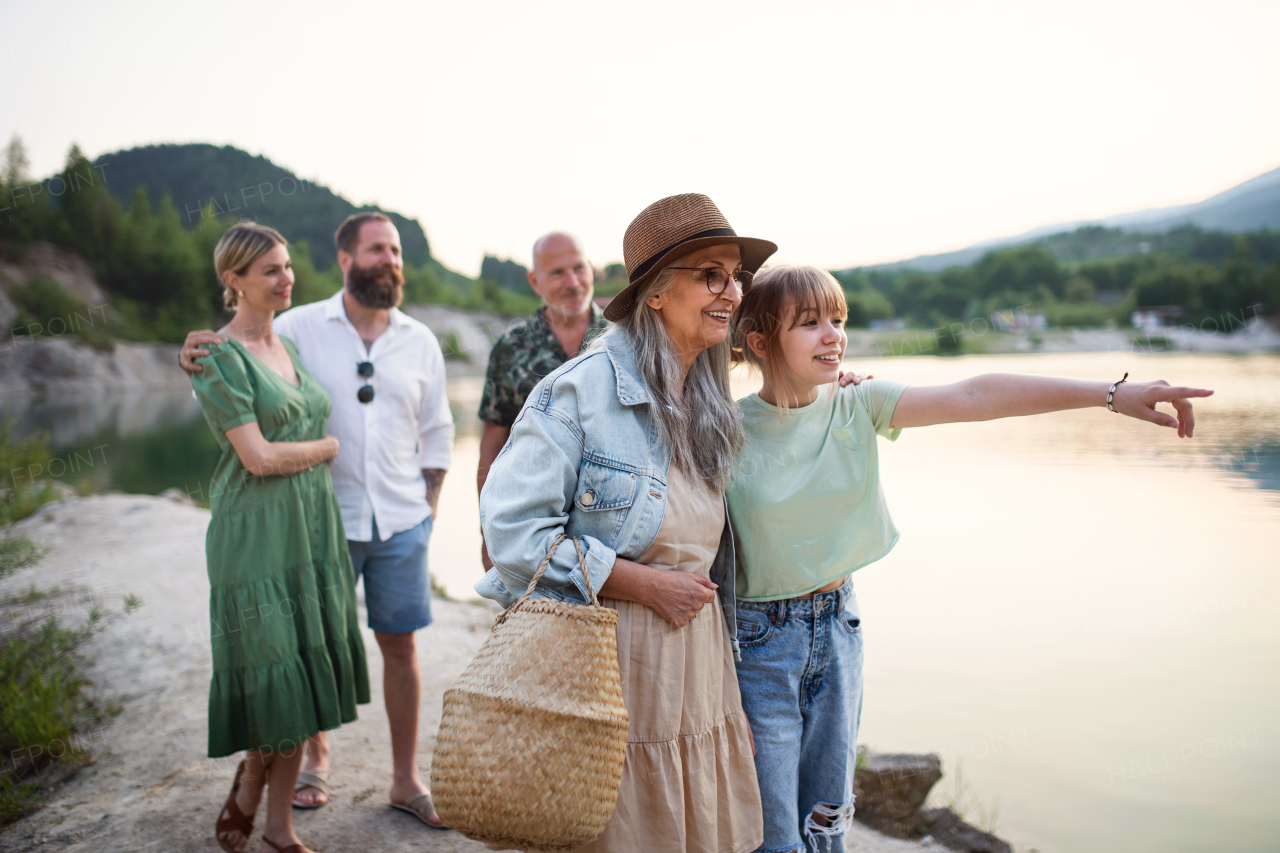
column 1007, row 395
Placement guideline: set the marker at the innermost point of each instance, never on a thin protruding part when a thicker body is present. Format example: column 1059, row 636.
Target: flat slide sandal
column 292, row 848
column 318, row 780
column 420, row 807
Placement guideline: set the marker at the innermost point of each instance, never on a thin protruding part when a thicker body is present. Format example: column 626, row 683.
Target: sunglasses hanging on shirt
column 365, row 394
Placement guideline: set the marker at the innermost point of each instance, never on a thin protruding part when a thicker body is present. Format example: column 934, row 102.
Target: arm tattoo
column 434, row 478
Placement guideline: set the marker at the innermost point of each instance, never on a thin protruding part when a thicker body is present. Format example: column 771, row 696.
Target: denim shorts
column 397, row 585
column 801, row 682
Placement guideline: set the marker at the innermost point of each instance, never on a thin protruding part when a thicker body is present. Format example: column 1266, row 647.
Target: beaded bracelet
column 1111, row 392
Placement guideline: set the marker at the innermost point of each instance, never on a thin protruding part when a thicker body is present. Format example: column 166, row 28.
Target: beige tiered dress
column 689, row 782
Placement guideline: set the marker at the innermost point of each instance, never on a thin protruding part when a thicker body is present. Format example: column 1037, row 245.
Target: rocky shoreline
column 69, row 367
column 64, row 365
column 150, row 783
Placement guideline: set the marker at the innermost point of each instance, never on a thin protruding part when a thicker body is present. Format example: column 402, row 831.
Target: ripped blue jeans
column 801, row 682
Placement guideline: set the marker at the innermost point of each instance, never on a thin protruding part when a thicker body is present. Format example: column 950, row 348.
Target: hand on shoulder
column 847, row 379
column 194, row 347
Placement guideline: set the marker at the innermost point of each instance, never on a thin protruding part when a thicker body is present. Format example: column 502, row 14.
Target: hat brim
column 754, row 253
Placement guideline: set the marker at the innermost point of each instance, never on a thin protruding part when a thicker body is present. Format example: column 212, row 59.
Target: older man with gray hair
column 567, row 321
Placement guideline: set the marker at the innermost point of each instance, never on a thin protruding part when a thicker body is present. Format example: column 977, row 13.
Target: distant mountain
column 1250, row 206
column 233, row 181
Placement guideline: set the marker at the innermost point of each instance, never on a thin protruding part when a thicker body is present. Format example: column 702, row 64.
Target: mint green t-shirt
column 805, row 500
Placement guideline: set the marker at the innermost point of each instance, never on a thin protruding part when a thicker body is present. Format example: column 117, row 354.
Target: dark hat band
column 644, row 268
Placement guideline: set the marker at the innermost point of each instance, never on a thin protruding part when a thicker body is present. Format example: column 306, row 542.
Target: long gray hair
column 698, row 420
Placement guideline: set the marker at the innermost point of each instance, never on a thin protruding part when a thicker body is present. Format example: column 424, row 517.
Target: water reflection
column 139, row 442
column 1260, row 463
column 72, row 421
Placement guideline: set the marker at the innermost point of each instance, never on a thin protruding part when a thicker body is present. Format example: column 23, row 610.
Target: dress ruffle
column 288, row 656
column 700, row 777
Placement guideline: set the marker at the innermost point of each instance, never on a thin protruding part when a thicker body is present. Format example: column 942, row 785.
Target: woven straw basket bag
column 530, row 748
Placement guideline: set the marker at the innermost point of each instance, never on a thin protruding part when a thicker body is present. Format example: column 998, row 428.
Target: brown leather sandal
column 231, row 818
column 292, row 848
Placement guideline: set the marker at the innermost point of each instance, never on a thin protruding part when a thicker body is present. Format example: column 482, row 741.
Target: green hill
column 230, row 182
column 147, row 220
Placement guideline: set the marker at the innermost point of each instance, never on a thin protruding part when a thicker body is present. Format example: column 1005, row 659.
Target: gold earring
column 241, row 292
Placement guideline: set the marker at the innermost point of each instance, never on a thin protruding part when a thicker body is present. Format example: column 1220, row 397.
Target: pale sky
column 846, row 132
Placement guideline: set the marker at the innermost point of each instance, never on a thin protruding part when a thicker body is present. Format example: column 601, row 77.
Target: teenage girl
column 808, row 511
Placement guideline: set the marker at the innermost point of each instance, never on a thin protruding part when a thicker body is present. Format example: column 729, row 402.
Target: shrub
column 950, row 340
column 1080, row 289
column 1079, row 314
column 46, row 309
column 43, row 706
column 21, row 462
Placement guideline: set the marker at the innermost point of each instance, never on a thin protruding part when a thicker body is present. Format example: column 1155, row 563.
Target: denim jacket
column 584, row 459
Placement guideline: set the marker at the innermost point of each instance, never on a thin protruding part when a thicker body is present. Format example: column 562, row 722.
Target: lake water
column 1081, row 613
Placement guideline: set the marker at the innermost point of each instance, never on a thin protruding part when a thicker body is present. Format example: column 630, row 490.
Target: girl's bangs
column 817, row 293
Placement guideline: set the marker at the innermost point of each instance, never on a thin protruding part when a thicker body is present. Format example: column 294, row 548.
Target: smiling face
column 791, row 327
column 562, row 276
column 694, row 317
column 812, row 344
column 267, row 283
column 373, row 267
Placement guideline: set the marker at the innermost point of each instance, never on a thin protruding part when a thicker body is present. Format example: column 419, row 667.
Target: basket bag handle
column 537, row 576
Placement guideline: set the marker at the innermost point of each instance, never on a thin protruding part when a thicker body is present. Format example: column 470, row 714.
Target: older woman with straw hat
column 629, row 448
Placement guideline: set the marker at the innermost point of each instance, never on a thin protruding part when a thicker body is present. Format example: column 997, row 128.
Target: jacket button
column 588, row 498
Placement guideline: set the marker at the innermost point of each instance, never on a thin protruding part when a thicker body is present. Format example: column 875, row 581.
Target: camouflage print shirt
column 518, row 361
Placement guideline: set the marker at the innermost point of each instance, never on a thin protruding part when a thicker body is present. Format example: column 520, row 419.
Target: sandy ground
column 151, row 786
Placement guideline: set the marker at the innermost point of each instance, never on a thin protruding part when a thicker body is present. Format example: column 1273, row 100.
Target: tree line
column 1201, row 273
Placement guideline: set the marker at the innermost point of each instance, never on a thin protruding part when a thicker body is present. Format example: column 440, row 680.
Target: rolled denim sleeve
column 525, row 507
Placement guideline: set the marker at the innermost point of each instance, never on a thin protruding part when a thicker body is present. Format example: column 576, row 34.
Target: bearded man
column 384, row 372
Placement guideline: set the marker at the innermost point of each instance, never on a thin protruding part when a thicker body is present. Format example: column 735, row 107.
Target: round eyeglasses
column 717, row 278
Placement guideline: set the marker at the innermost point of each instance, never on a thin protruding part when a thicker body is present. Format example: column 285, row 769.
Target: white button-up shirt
column 386, row 443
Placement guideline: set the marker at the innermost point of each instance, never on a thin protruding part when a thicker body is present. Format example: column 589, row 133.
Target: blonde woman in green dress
column 288, row 659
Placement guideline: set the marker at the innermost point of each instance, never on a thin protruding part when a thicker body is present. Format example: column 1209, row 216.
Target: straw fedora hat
column 672, row 228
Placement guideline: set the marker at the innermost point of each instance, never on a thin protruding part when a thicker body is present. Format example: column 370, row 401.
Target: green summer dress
column 288, row 658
